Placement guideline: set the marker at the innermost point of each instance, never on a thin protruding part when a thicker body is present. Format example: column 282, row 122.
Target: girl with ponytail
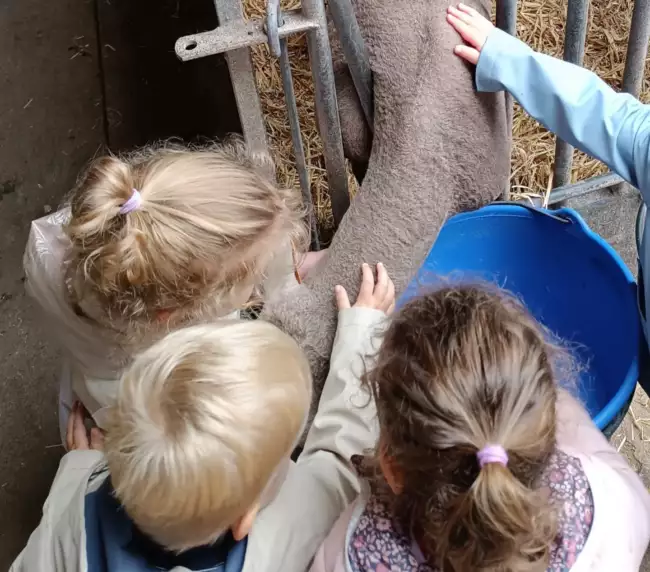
column 151, row 241
column 483, row 462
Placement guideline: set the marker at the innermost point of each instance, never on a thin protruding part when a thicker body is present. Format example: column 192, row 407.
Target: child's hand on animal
column 377, row 294
column 472, row 27
column 310, row 261
column 77, row 436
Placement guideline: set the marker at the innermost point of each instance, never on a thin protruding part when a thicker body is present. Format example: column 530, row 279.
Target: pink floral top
column 379, row 544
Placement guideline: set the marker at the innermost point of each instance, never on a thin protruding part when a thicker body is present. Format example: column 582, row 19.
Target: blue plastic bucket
column 571, row 280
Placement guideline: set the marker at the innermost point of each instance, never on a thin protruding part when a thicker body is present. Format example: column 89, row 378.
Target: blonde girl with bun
column 164, row 237
column 483, row 463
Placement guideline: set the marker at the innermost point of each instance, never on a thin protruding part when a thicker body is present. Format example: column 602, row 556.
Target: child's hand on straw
column 472, row 27
column 378, row 295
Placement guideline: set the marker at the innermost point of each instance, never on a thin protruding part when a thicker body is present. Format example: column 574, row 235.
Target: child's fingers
column 470, row 55
column 367, row 283
column 342, row 300
column 390, row 309
column 96, row 439
column 461, row 15
column 470, row 34
column 381, row 287
column 468, row 10
column 460, row 26
column 80, row 434
column 69, row 434
column 390, row 294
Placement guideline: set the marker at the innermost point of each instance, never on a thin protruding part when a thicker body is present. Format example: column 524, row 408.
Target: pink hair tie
column 492, row 454
column 133, row 204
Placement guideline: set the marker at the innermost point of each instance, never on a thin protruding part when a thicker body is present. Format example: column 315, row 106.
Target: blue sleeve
column 573, row 103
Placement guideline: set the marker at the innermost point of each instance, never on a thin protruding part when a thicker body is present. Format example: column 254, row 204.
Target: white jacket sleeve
column 316, row 490
column 621, row 528
column 576, row 432
column 56, row 545
column 89, row 349
column 345, row 424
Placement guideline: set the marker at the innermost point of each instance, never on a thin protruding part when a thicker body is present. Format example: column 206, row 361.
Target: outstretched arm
column 345, row 423
column 318, row 487
column 570, row 101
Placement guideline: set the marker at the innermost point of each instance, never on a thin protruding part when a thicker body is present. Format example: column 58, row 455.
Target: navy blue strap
column 114, row 543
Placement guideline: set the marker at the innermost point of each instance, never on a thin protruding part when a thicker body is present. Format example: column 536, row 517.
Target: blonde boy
column 198, row 444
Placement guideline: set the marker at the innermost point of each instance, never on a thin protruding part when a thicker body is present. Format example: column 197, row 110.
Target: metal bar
column 243, row 83
column 298, row 149
column 356, row 55
column 574, row 51
column 273, row 10
column 237, row 33
column 274, row 20
column 637, row 48
column 327, row 113
column 507, row 21
column 575, row 190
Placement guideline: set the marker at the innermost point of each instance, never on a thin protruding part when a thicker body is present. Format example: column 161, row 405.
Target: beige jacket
column 93, row 361
column 316, row 489
column 621, row 525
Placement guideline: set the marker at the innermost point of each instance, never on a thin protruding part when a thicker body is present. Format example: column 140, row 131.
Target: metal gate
column 235, row 36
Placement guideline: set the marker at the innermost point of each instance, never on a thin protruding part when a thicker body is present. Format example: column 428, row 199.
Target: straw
column 540, row 24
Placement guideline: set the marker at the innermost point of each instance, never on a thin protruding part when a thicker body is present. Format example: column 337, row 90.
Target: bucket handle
column 538, row 210
column 639, row 226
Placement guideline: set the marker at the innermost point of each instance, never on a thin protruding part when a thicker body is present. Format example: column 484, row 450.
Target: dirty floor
column 50, row 125
column 55, row 114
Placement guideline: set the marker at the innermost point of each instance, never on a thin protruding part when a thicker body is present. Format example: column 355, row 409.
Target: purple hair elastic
column 133, row 204
column 492, row 454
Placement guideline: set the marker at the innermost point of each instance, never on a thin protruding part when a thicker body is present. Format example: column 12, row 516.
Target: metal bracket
column 561, row 194
column 235, row 36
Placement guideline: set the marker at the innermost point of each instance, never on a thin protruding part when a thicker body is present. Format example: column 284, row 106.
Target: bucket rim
column 622, row 396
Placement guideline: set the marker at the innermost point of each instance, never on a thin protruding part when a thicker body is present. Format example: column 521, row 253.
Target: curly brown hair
column 461, row 368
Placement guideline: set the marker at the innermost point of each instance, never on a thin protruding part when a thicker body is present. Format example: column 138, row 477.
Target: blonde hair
column 203, row 419
column 459, row 369
column 208, row 223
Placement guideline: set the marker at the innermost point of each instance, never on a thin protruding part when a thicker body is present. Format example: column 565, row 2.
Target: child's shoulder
column 376, row 536
column 567, row 485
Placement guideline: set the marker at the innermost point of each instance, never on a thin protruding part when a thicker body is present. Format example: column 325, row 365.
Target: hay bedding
column 269, row 85
column 540, row 24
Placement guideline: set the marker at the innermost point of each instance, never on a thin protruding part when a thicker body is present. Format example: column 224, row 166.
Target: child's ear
column 390, row 470
column 243, row 526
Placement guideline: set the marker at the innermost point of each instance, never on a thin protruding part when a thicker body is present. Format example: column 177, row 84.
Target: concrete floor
column 50, row 125
column 64, row 95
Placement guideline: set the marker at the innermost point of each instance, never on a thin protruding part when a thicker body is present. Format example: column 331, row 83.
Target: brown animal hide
column 438, row 148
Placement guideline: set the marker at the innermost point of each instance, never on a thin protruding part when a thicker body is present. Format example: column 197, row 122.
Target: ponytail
column 499, row 524
column 174, row 231
column 458, row 369
column 105, row 237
